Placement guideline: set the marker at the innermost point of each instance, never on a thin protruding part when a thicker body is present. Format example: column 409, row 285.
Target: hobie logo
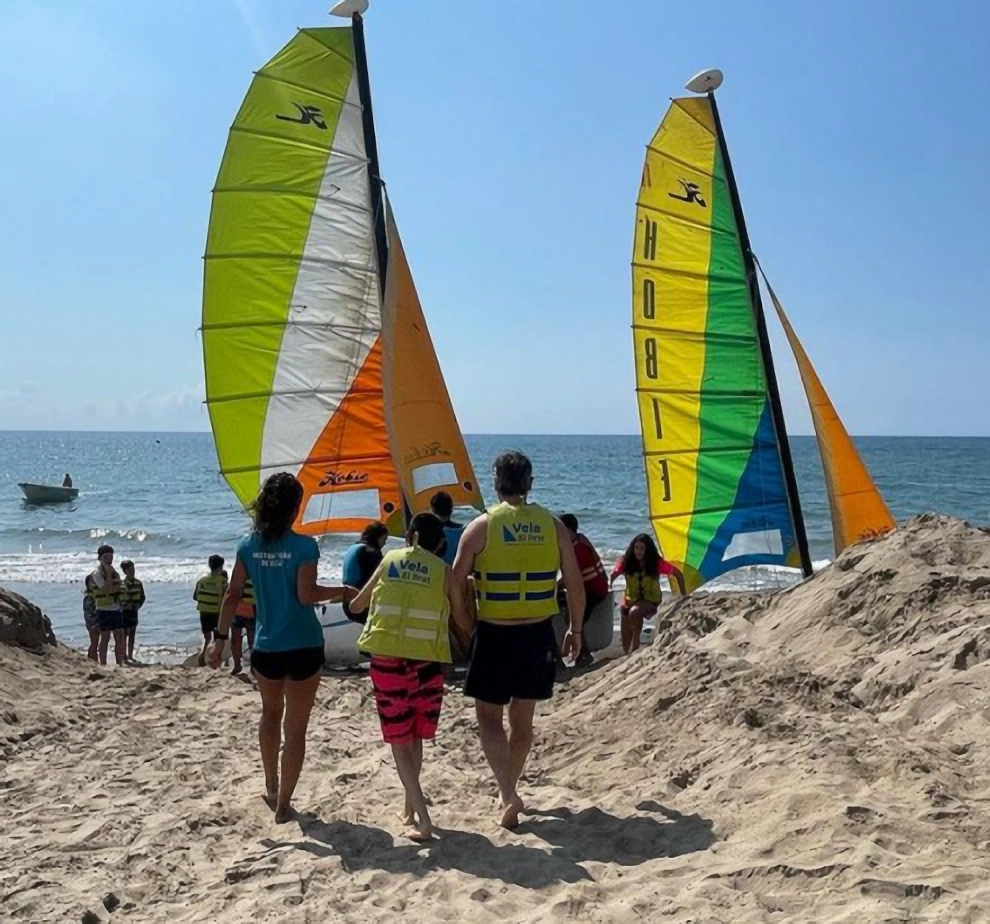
column 308, row 115
column 523, row 532
column 692, row 193
column 341, row 479
column 409, row 571
column 426, row 451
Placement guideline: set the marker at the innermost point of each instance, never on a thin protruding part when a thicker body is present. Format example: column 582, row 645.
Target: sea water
column 157, row 499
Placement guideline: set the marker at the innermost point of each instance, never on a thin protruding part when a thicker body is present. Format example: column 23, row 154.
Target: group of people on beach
column 494, row 596
column 111, row 605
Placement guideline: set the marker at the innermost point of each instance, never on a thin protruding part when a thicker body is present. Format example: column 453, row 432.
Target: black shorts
column 208, row 622
column 295, row 664
column 243, row 622
column 129, row 618
column 109, row 620
column 511, row 662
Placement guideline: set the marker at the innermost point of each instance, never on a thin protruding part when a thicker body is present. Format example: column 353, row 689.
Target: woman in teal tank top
column 287, row 660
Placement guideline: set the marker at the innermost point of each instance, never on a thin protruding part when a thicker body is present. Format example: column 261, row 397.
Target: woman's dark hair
column 442, row 504
column 651, row 560
column 275, row 508
column 570, row 521
column 426, row 531
column 214, row 561
column 373, row 533
column 513, row 474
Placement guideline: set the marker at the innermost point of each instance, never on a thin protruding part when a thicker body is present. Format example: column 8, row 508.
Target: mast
column 776, row 410
column 354, row 9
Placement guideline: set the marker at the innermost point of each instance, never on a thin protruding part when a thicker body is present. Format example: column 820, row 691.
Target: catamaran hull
column 340, row 635
column 47, row 493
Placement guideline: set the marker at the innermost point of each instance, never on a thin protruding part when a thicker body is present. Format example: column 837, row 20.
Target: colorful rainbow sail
column 292, row 305
column 717, row 494
column 858, row 510
column 722, row 492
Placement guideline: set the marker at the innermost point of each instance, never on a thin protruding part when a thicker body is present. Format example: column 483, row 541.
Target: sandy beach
column 820, row 754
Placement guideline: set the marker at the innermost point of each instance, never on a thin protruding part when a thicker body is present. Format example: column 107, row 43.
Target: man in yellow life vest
column 106, row 592
column 514, row 552
column 410, row 607
column 209, row 593
column 132, row 598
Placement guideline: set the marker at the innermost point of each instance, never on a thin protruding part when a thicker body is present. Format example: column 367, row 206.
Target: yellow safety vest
column 409, row 612
column 209, row 593
column 131, row 594
column 106, row 599
column 247, row 593
column 643, row 587
column 516, row 574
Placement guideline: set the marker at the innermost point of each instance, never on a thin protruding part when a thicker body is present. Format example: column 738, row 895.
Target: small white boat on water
column 47, row 493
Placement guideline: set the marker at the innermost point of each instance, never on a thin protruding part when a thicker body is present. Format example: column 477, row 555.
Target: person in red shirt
column 592, row 573
column 642, row 566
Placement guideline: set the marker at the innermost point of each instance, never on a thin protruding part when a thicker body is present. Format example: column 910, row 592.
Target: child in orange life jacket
column 410, row 604
column 642, row 566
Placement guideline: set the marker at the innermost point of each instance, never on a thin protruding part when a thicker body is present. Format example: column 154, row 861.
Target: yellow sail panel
column 858, row 510
column 427, row 446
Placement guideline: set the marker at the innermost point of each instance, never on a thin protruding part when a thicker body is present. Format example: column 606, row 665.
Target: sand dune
column 821, row 754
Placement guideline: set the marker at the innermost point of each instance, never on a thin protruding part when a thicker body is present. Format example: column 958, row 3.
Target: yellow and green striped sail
column 292, row 301
column 716, row 488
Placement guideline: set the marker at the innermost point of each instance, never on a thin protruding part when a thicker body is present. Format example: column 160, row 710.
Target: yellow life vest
column 106, row 597
column 132, row 593
column 409, row 612
column 643, row 587
column 247, row 593
column 516, row 574
column 209, row 593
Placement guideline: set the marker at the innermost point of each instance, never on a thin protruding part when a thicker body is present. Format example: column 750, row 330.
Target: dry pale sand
column 818, row 755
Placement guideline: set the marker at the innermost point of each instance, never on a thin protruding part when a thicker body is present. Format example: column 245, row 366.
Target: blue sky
column 511, row 138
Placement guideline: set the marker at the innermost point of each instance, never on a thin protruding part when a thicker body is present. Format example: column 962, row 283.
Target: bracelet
column 576, row 632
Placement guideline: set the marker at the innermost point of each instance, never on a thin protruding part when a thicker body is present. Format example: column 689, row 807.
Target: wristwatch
column 217, row 637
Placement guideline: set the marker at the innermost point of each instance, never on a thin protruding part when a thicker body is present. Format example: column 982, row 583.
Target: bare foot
column 284, row 813
column 236, row 670
column 420, row 832
column 510, row 813
column 271, row 798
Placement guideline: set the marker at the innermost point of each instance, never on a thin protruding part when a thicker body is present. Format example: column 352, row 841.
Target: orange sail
column 426, row 442
column 858, row 510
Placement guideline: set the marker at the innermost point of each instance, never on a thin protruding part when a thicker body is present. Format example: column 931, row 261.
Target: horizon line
column 207, row 433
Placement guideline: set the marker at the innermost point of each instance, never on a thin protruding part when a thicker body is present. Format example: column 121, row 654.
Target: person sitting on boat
column 642, row 564
column 132, row 598
column 107, row 590
column 244, row 618
column 592, row 573
column 410, row 605
column 442, row 506
column 209, row 594
column 361, row 561
column 89, row 618
column 67, row 481
column 287, row 661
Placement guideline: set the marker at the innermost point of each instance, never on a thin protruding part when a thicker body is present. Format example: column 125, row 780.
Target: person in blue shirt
column 287, row 660
column 361, row 561
column 442, row 505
